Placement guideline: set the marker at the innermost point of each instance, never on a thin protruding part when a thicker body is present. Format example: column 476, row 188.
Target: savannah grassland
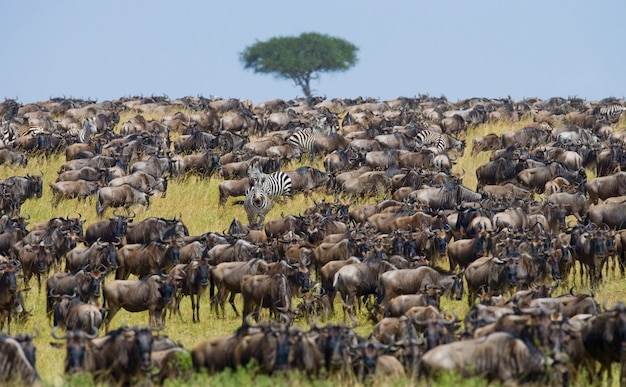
column 195, row 200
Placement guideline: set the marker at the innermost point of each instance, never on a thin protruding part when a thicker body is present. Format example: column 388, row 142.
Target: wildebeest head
column 143, row 340
column 76, row 346
column 202, row 273
column 35, row 184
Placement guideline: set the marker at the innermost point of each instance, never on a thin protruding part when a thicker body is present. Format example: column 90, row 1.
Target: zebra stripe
column 428, row 138
column 611, row 109
column 303, row 139
column 88, row 128
column 257, row 204
column 274, row 184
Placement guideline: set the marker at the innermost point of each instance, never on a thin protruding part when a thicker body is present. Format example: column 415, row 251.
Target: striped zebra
column 274, row 184
column 612, row 111
column 257, row 204
column 430, row 138
column 304, row 139
column 439, row 142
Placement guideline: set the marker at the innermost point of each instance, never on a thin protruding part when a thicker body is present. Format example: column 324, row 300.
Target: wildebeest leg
column 231, row 301
column 109, row 316
column 193, row 308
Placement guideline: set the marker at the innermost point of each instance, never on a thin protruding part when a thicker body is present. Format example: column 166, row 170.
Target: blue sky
column 105, row 50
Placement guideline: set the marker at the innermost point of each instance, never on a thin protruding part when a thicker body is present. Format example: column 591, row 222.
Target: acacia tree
column 300, row 58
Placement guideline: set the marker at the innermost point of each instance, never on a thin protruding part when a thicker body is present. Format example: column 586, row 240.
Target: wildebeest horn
column 56, row 336
column 286, row 319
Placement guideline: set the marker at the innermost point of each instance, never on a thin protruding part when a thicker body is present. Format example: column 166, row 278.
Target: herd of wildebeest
column 520, row 246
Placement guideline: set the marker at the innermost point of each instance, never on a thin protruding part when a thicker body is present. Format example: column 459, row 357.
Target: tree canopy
column 300, row 58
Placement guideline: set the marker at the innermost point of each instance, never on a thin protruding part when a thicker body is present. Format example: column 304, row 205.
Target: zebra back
column 430, row 138
column 303, row 139
column 257, row 204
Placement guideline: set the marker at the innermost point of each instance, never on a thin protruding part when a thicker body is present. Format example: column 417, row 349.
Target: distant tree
column 300, row 58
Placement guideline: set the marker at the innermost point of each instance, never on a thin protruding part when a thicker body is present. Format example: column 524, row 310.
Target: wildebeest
column 265, row 291
column 79, row 189
column 204, row 164
column 8, row 156
column 228, row 188
column 228, row 276
column 412, row 281
column 356, row 280
column 123, row 196
column 9, row 293
column 154, row 165
column 73, row 314
column 536, row 178
column 84, row 284
column 605, row 187
column 485, row 143
column 604, row 337
column 85, row 173
column 155, row 229
column 306, row 179
column 141, row 181
column 149, row 258
column 491, row 273
column 17, row 367
column 120, row 357
column 195, row 281
column 151, row 293
column 239, row 250
column 111, row 230
column 498, row 357
column 462, row 252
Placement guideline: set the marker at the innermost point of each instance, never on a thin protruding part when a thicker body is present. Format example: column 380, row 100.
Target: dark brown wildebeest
column 228, row 277
column 149, row 258
column 604, row 338
column 491, row 273
column 155, row 229
column 112, row 230
column 34, row 260
column 123, row 196
column 266, row 291
column 9, row 293
column 18, row 365
column 239, row 250
column 84, row 284
column 204, row 164
column 86, row 173
column 537, row 177
column 327, row 252
column 605, row 187
column 12, row 157
column 462, row 252
column 412, row 281
column 356, row 280
column 500, row 356
column 120, row 357
column 151, row 293
column 195, row 281
column 73, row 314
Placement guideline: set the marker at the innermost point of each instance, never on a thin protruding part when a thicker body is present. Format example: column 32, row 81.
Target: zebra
column 257, row 204
column 274, row 184
column 438, row 142
column 612, row 111
column 304, row 139
column 432, row 139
